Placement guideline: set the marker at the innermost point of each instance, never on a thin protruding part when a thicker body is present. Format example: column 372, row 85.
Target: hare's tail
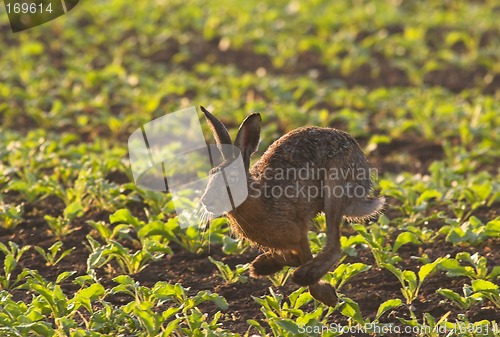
column 364, row 208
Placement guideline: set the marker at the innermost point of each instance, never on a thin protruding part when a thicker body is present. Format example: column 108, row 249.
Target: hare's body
column 307, row 171
column 275, row 215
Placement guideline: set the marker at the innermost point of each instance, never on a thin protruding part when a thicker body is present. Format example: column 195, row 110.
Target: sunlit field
column 84, row 251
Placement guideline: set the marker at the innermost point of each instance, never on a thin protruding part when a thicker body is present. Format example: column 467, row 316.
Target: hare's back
column 309, row 146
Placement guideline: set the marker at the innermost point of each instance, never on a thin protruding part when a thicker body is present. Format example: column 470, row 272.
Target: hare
column 337, row 182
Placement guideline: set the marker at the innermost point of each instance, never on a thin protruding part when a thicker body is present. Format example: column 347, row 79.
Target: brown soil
column 369, row 289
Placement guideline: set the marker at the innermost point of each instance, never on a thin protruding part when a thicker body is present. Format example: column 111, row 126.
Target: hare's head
column 227, row 186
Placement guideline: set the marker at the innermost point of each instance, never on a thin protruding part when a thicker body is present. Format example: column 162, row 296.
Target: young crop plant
column 344, row 272
column 488, row 290
column 51, row 301
column 129, row 263
column 12, row 255
column 183, row 318
column 375, row 237
column 228, row 274
column 279, row 279
column 11, row 216
column 476, row 267
column 285, row 317
column 472, row 232
column 53, row 255
column 410, row 284
column 465, row 302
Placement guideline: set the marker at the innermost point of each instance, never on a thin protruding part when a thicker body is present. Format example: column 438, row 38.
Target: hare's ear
column 220, row 133
column 248, row 137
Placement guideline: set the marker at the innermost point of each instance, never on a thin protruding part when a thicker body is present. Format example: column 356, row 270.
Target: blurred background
column 396, row 68
column 417, row 83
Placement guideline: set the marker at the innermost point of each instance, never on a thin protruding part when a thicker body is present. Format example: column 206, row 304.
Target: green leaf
column 429, row 194
column 495, row 273
column 124, row 279
column 220, row 302
column 87, row 295
column 404, row 238
column 124, row 216
column 73, row 210
column 229, row 245
column 410, row 277
column 493, row 228
column 387, row 305
column 483, row 285
column 451, row 295
column 64, row 275
column 164, row 229
column 425, row 270
column 351, row 309
column 287, row 325
column 10, row 264
column 453, row 268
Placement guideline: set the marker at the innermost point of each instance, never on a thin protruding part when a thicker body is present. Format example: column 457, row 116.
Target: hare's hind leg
column 312, row 271
column 321, row 291
column 265, row 264
column 324, row 293
column 271, row 262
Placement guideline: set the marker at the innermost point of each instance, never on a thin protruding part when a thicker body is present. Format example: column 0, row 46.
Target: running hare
column 307, row 171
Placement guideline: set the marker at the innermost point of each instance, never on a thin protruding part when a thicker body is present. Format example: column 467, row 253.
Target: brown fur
column 280, row 225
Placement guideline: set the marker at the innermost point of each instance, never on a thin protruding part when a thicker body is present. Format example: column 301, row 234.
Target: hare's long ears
column 220, row 133
column 248, row 137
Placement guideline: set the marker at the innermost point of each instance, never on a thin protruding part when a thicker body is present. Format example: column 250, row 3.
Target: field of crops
column 85, row 252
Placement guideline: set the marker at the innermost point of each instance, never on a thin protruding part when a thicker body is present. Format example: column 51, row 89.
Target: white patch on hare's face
column 216, row 199
column 227, row 187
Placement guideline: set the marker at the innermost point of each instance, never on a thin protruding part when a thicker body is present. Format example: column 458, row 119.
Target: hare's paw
column 324, row 293
column 263, row 265
column 307, row 274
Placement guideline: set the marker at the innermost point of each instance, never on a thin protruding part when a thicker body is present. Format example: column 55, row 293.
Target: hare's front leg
column 271, row 262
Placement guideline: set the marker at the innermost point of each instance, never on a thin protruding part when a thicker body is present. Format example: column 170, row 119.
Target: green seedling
column 477, row 268
column 465, row 302
column 488, row 290
column 286, row 317
column 229, row 275
column 52, row 301
column 11, row 216
column 22, row 318
column 344, row 272
column 191, row 238
column 479, row 192
column 427, row 326
column 279, row 279
column 348, row 244
column 28, row 185
column 186, row 311
column 157, row 202
column 383, row 253
column 54, row 255
column 410, row 284
column 232, row 246
column 118, row 232
column 12, row 256
column 130, row 263
column 472, row 232
column 62, row 225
